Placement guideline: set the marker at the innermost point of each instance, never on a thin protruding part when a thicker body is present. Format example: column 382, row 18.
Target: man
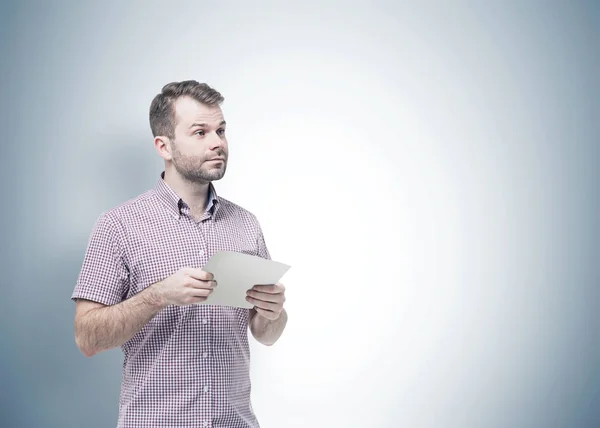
column 185, row 365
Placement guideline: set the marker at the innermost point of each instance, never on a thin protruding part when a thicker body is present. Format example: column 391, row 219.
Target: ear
column 163, row 147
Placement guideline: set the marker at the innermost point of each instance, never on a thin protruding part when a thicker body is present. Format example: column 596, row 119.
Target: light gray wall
column 429, row 170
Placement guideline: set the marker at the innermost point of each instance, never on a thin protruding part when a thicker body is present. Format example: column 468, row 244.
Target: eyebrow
column 204, row 125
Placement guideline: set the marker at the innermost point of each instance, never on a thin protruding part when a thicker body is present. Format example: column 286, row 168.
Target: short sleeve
column 104, row 276
column 262, row 246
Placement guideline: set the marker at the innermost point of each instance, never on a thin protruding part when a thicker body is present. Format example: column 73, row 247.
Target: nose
column 216, row 141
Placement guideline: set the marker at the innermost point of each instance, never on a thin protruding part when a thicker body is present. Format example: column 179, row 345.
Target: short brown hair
column 162, row 112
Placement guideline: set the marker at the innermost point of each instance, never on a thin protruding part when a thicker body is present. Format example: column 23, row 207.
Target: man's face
column 199, row 150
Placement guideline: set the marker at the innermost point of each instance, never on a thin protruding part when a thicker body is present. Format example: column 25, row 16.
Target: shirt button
column 205, row 424
column 204, row 354
column 204, row 320
column 201, row 252
column 206, row 388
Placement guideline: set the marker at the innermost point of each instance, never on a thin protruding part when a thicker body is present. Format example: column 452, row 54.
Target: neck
column 193, row 194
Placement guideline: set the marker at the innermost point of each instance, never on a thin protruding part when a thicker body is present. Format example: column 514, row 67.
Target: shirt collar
column 173, row 202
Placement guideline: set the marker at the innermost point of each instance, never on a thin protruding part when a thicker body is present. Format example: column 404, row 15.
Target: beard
column 195, row 168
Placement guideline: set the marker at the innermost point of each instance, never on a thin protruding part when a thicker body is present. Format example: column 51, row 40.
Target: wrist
column 155, row 297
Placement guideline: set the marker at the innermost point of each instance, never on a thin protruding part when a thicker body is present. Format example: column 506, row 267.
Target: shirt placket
column 206, row 327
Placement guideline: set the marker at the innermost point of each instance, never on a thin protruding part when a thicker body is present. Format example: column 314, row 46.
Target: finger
column 195, row 298
column 267, row 314
column 200, row 284
column 200, row 292
column 266, row 297
column 269, row 306
column 197, row 295
column 270, row 288
column 199, row 274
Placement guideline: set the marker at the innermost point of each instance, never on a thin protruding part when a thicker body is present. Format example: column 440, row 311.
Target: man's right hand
column 187, row 286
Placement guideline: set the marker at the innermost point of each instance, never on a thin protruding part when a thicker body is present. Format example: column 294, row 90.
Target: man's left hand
column 267, row 299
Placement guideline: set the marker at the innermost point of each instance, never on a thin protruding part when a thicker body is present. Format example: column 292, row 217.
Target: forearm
column 267, row 331
column 107, row 327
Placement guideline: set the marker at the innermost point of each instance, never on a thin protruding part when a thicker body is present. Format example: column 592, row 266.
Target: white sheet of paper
column 236, row 273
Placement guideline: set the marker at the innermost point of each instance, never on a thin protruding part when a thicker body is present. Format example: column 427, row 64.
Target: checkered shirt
column 190, row 365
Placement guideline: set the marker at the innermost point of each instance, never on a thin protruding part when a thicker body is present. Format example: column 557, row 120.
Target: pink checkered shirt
column 189, row 366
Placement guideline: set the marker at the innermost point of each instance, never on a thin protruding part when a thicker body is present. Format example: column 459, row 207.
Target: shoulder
column 234, row 209
column 118, row 217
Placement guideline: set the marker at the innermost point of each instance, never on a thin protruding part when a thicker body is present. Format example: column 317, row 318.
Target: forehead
column 188, row 111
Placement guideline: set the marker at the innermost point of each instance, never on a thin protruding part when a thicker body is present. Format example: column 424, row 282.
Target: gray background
column 429, row 170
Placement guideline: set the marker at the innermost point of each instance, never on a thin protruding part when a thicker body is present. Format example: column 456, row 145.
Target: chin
column 215, row 177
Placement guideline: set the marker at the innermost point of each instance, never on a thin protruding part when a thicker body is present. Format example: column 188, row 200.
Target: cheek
column 184, row 145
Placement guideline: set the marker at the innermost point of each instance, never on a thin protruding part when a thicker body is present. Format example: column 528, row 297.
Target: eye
column 199, row 132
column 220, row 132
